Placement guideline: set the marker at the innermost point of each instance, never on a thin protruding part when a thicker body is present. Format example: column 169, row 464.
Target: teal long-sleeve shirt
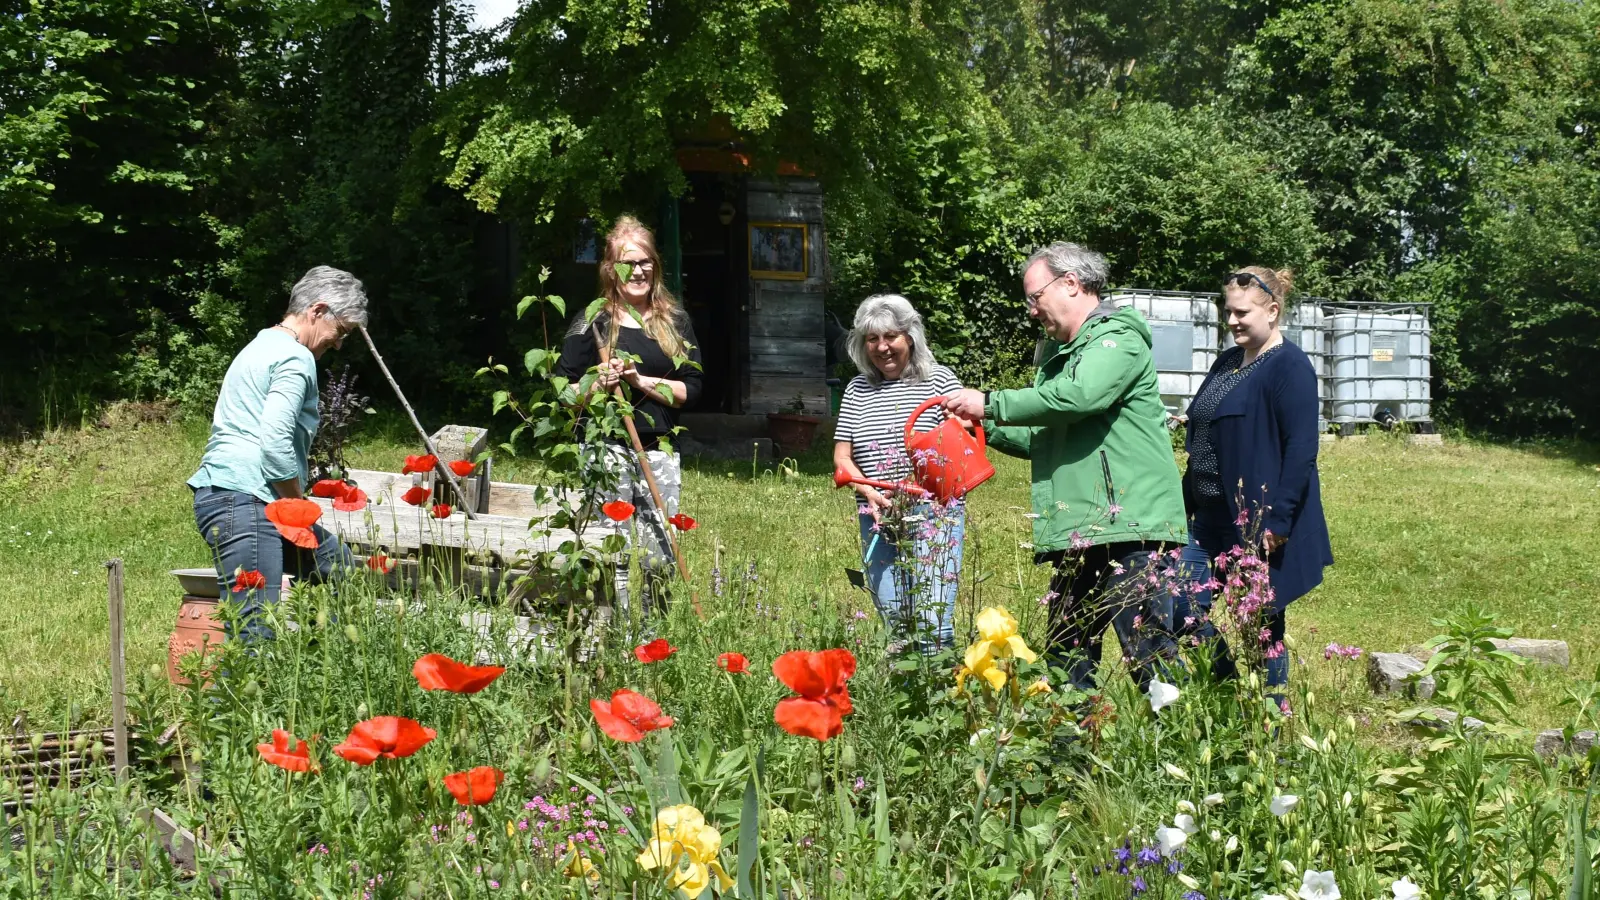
column 265, row 418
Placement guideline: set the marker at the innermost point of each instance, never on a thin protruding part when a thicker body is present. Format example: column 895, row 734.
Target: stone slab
column 1550, row 743
column 1543, row 651
column 1395, row 673
column 1444, row 718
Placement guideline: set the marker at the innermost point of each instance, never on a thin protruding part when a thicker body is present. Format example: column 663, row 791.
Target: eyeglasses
column 1244, row 279
column 1033, row 299
column 642, row 265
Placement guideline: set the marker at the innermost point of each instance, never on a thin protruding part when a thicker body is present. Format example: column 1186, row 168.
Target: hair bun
column 1285, row 279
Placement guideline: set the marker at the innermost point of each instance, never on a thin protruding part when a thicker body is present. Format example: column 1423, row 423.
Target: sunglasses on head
column 1245, row 279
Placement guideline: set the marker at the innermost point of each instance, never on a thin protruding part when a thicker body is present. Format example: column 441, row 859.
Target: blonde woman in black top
column 651, row 350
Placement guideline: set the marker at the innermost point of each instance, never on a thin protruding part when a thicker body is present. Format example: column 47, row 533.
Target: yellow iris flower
column 980, row 663
column 1039, row 687
column 997, row 634
column 684, row 844
column 579, row 866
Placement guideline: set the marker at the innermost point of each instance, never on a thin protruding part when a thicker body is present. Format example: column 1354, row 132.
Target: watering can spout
column 949, row 462
column 842, row 477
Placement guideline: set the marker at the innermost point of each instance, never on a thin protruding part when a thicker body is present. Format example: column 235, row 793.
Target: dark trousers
column 235, row 526
column 1211, row 534
column 1110, row 585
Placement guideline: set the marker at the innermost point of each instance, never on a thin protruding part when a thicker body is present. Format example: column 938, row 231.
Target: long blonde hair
column 661, row 323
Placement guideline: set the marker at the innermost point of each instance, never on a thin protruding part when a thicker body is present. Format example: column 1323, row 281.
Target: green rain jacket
column 1094, row 427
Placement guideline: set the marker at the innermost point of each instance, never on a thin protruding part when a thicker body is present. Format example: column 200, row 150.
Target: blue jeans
column 235, row 527
column 917, row 596
column 1210, row 536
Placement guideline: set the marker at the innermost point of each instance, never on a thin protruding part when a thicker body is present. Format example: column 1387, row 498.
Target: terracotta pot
column 197, row 630
column 792, row 432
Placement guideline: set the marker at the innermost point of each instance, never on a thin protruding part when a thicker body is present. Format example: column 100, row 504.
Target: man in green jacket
column 1107, row 497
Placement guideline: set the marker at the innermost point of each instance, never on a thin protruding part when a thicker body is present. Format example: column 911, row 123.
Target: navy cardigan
column 1266, row 438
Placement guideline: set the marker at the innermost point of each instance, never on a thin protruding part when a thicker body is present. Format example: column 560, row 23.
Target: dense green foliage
column 170, row 168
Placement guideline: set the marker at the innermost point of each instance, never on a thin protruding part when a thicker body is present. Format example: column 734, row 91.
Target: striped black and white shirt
column 872, row 418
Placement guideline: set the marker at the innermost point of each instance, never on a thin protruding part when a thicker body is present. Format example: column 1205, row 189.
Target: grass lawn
column 1417, row 531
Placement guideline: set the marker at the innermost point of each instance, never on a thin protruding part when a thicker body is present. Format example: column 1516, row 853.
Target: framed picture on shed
column 780, row 250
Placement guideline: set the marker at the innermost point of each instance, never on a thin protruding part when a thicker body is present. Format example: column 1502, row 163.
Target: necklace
column 289, row 328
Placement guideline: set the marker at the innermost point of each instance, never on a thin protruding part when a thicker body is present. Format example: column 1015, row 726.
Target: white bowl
column 199, row 582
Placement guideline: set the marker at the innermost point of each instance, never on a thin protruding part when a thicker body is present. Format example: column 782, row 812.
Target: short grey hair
column 889, row 312
column 346, row 298
column 1064, row 257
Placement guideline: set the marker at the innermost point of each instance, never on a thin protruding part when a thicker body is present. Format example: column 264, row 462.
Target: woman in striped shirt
column 911, row 548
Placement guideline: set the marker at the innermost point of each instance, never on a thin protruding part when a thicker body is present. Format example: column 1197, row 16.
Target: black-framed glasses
column 1033, row 299
column 642, row 265
column 1244, row 280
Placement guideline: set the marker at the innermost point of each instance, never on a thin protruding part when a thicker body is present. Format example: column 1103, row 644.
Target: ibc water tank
column 1305, row 326
column 1185, row 333
column 1380, row 364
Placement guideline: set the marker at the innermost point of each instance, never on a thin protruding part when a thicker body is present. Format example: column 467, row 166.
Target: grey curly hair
column 343, row 292
column 889, row 312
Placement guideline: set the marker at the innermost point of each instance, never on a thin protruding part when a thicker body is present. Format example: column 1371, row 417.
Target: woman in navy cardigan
column 1252, row 439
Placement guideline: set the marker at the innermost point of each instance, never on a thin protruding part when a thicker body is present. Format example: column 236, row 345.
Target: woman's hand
column 1271, row 542
column 876, row 502
column 612, row 372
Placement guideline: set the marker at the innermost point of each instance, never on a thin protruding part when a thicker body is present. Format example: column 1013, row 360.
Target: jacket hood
column 1130, row 319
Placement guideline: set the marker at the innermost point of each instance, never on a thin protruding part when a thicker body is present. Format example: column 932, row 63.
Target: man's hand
column 965, row 404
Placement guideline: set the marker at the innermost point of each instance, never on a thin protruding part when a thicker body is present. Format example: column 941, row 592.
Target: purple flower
column 1193, row 895
column 1138, row 887
column 1148, row 856
column 1123, row 853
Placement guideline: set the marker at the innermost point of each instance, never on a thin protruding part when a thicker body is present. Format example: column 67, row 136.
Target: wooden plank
column 784, row 206
column 119, row 682
column 405, row 528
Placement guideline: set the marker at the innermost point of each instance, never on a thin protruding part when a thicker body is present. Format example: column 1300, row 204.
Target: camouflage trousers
column 648, row 527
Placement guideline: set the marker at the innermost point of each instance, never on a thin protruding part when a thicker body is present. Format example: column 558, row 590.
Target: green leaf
column 534, row 359
column 847, row 809
column 524, row 303
column 667, row 769
column 558, row 303
column 749, row 837
column 880, row 825
column 624, row 270
column 593, row 309
column 664, row 392
column 501, row 398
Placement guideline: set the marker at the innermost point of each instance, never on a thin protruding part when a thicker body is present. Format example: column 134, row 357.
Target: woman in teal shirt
column 261, row 433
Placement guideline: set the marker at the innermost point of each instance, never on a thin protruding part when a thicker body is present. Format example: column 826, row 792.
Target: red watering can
column 949, row 462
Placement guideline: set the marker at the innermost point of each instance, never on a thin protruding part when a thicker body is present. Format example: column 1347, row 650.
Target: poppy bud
column 414, row 889
column 194, row 756
column 322, row 618
column 5, row 752
column 79, row 743
column 97, row 751
column 35, row 739
column 361, row 712
column 586, row 741
column 908, row 842
column 814, row 780
column 847, row 756
column 541, row 769
column 251, row 690
column 155, row 670
column 351, row 633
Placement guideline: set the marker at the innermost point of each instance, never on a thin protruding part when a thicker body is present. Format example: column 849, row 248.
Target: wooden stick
column 427, row 440
column 119, row 674
column 650, row 479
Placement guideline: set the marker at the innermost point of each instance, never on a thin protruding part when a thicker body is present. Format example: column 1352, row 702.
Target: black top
column 1205, row 472
column 652, row 417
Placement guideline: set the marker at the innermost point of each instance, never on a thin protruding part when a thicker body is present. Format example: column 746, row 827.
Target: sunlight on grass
column 1417, row 532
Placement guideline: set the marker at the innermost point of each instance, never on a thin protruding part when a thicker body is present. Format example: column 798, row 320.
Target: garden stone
column 1549, row 743
column 1543, row 652
column 1444, row 718
column 1394, row 673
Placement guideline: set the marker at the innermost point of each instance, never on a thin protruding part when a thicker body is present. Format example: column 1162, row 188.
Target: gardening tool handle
column 931, row 402
column 427, row 441
column 650, row 479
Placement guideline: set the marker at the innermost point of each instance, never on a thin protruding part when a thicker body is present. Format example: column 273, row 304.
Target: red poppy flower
column 424, row 464
column 628, row 716
column 734, row 663
column 463, row 467
column 353, row 499
column 476, row 787
column 819, row 679
column 441, row 510
column 437, row 672
column 251, row 580
column 377, row 562
column 618, row 510
column 293, row 517
column 417, row 496
column 327, row 487
column 391, row 737
column 682, row 522
column 655, row 651
column 286, row 753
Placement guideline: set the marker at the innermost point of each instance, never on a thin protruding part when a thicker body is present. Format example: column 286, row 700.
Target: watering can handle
column 931, row 402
